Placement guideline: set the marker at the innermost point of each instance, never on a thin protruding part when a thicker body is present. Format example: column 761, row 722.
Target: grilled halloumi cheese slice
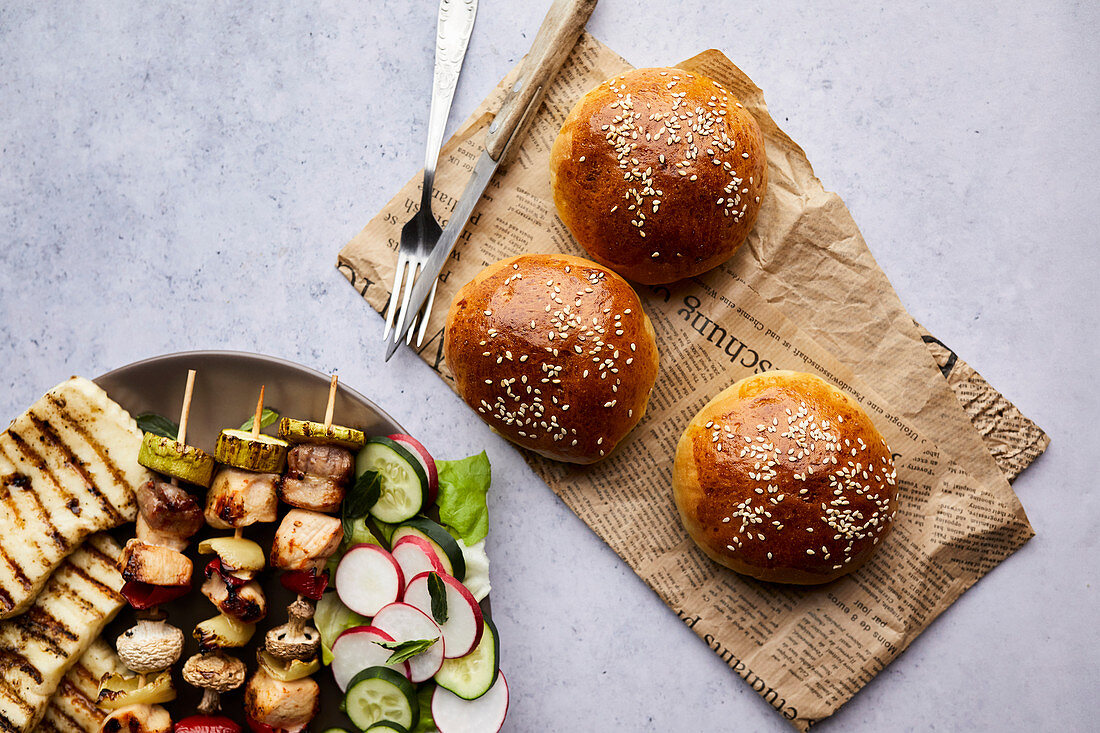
column 39, row 646
column 68, row 468
column 72, row 708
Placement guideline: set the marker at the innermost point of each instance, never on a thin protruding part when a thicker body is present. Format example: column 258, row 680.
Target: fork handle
column 555, row 40
column 456, row 23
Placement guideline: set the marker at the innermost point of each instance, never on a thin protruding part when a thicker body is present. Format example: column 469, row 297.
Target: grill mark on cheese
column 30, row 454
column 94, row 443
column 14, row 659
column 71, row 459
column 38, row 623
column 100, row 586
column 16, row 570
column 72, row 708
column 76, row 700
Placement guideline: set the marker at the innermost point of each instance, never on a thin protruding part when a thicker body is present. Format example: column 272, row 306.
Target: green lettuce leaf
column 463, row 485
column 427, row 723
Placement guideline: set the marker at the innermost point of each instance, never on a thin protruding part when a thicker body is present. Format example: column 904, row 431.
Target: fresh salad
column 403, row 632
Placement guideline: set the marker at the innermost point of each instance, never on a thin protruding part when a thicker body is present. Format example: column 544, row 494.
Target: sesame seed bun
column 659, row 174
column 784, row 478
column 554, row 352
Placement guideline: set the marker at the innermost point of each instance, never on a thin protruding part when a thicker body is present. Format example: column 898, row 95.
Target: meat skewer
column 281, row 695
column 242, row 493
column 156, row 571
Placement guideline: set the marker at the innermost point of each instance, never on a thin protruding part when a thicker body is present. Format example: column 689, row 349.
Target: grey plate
column 226, row 387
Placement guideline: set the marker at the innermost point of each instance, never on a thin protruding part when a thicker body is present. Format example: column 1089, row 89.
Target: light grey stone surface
column 180, row 176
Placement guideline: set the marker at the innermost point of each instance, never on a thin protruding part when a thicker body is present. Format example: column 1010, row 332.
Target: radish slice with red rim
column 407, row 623
column 368, row 578
column 464, row 625
column 416, row 555
column 358, row 648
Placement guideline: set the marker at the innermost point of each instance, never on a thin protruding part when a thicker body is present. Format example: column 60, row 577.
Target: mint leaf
column 363, row 495
column 463, row 485
column 267, row 417
column 359, row 499
column 151, row 422
column 405, row 650
column 437, row 589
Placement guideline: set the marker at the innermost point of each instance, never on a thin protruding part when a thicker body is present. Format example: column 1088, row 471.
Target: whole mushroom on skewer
column 281, row 694
column 215, row 673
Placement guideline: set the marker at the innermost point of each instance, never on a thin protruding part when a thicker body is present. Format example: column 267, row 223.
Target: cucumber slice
column 440, row 540
column 379, row 693
column 404, row 483
column 473, row 675
column 335, row 730
column 387, row 725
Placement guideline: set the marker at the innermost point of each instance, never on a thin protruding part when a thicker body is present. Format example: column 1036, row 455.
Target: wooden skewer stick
column 259, row 413
column 255, row 433
column 185, row 413
column 331, row 402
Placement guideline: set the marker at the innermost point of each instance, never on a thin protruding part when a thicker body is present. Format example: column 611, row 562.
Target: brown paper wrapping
column 804, row 292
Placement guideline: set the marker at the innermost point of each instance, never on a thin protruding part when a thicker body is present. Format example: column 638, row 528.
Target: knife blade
column 555, row 39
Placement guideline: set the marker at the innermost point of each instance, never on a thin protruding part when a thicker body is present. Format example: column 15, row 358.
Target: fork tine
column 425, row 315
column 398, row 274
column 416, row 316
column 405, row 297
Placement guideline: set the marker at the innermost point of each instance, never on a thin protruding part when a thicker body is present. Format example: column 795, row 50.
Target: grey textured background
column 179, row 176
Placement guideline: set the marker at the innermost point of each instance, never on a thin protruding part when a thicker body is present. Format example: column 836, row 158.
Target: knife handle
column 555, row 40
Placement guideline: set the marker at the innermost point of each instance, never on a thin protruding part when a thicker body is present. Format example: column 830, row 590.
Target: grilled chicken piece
column 138, row 719
column 167, row 513
column 68, row 468
column 154, row 564
column 239, row 498
column 317, row 477
column 72, row 708
column 305, row 540
column 39, row 646
column 245, row 603
column 285, row 706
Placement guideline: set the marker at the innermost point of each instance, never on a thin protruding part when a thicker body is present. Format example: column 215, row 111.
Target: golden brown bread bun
column 785, row 478
column 554, row 352
column 659, row 173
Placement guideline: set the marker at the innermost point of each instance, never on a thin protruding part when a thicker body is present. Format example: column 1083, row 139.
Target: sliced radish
column 408, row 623
column 358, row 648
column 464, row 625
column 486, row 714
column 416, row 555
column 421, row 453
column 368, row 578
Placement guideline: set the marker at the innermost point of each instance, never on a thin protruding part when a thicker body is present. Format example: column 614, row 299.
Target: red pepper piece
column 258, row 727
column 207, row 724
column 145, row 595
column 306, row 583
column 215, row 566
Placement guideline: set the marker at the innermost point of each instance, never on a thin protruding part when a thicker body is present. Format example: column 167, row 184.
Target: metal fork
column 421, row 232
